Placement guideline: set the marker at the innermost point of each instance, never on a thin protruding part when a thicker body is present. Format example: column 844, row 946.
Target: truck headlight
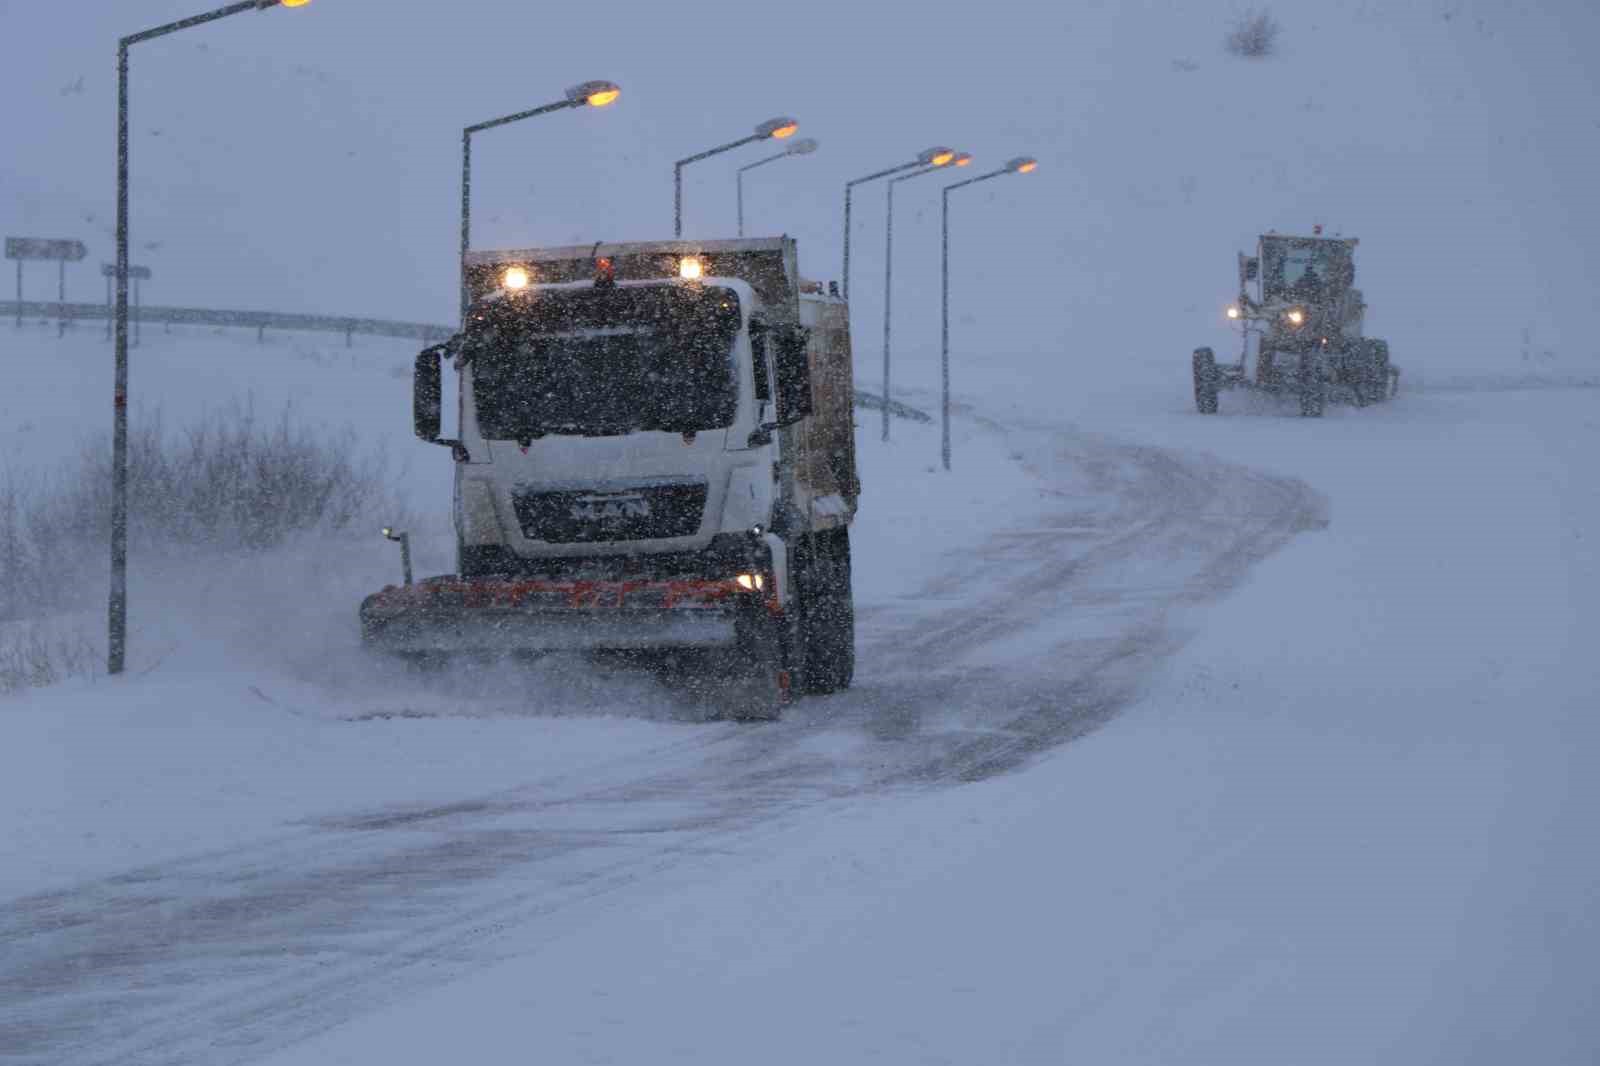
column 751, row 582
column 1233, row 312
column 1296, row 317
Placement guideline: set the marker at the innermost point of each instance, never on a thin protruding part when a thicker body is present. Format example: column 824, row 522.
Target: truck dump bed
column 767, row 264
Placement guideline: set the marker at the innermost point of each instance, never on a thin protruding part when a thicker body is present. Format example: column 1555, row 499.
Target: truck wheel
column 1311, row 386
column 828, row 616
column 754, row 679
column 1378, row 370
column 1205, row 381
column 1266, row 369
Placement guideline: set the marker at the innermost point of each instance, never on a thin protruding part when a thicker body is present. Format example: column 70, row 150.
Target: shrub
column 228, row 483
column 1254, row 35
column 32, row 656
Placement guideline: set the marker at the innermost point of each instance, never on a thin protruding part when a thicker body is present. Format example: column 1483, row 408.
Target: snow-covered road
column 1036, row 631
column 1328, row 681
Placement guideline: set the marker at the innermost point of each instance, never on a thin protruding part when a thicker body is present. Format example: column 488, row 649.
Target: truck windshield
column 605, row 361
column 1305, row 268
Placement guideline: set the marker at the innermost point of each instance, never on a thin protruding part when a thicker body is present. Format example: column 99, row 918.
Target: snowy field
column 1339, row 814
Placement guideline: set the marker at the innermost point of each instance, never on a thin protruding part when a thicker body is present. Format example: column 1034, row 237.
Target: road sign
column 20, row 248
column 136, row 273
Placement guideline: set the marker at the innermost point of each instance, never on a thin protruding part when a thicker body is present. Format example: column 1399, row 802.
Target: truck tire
column 828, row 616
column 1266, row 368
column 1205, row 381
column 1378, row 370
column 753, row 677
column 1311, row 386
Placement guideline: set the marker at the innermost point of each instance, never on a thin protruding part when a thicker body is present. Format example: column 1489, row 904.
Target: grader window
column 1306, row 269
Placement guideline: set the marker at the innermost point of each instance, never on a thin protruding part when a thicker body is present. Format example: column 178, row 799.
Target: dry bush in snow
column 229, row 482
column 1254, row 35
column 32, row 656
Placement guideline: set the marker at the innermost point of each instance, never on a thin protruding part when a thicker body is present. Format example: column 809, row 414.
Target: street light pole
column 959, row 160
column 937, row 157
column 117, row 635
column 804, row 147
column 773, row 129
column 590, row 94
column 1019, row 165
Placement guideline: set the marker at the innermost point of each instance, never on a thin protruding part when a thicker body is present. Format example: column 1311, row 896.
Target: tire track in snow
column 1045, row 632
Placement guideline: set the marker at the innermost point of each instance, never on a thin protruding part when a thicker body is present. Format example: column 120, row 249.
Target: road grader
column 1297, row 297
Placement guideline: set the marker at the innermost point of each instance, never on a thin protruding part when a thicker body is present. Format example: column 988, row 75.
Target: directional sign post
column 62, row 251
column 136, row 274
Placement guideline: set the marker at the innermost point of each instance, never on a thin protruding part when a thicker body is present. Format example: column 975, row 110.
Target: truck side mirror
column 427, row 393
column 1252, row 269
column 758, row 358
column 427, row 401
column 793, row 368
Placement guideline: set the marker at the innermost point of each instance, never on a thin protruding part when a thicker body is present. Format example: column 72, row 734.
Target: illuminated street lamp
column 118, row 612
column 955, row 159
column 1020, row 165
column 933, row 157
column 774, row 129
column 589, row 94
column 800, row 147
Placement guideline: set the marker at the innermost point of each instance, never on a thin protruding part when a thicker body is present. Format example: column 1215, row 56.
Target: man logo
column 609, row 508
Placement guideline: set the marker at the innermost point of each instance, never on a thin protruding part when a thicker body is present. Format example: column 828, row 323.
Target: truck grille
column 578, row 516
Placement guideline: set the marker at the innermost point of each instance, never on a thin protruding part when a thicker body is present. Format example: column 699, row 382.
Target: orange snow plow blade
column 516, row 614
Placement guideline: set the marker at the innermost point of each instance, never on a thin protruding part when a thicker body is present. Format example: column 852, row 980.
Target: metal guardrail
column 261, row 321
column 873, row 402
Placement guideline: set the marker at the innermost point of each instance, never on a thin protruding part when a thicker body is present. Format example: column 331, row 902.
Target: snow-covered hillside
column 289, row 160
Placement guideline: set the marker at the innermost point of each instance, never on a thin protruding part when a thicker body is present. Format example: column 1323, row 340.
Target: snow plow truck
column 655, row 453
column 1297, row 296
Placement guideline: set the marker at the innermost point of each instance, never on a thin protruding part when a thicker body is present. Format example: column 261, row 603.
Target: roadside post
column 961, row 159
column 1022, row 164
column 136, row 274
column 117, row 608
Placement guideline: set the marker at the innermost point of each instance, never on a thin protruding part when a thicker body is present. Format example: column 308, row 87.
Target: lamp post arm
column 980, row 177
column 902, row 168
column 466, row 175
column 738, row 179
column 520, row 115
column 709, row 152
column 677, row 175
column 196, row 20
column 764, row 162
column 844, row 271
column 914, row 174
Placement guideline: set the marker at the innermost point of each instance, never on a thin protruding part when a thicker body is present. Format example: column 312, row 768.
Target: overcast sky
column 308, row 159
